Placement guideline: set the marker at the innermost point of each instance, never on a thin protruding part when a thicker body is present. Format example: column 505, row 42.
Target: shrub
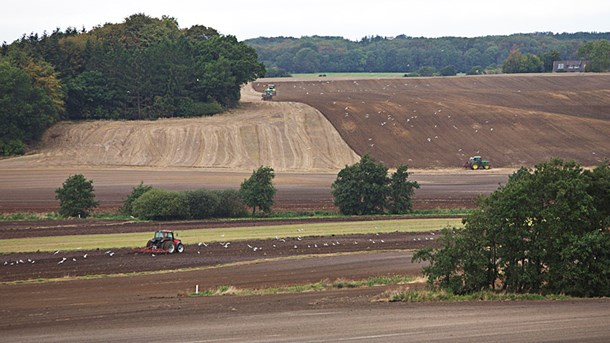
column 230, row 204
column 76, row 197
column 137, row 191
column 202, row 203
column 11, row 147
column 158, row 204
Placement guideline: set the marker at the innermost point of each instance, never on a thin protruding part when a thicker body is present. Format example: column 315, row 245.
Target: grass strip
column 320, row 286
column 138, row 240
column 435, row 296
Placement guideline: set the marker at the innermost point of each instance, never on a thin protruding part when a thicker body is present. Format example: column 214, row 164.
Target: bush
column 448, row 71
column 76, row 197
column 158, row 204
column 137, row 191
column 11, row 147
column 202, row 203
column 230, row 205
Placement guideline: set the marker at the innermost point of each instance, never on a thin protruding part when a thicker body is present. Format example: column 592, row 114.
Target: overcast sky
column 352, row 19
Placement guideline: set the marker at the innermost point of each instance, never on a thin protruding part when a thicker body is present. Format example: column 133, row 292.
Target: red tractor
column 164, row 241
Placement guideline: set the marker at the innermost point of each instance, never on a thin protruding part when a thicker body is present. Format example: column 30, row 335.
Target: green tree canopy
column 76, row 197
column 597, row 53
column 365, row 188
column 29, row 104
column 258, row 190
column 545, row 231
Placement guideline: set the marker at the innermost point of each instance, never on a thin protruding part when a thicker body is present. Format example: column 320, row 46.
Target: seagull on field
column 62, row 261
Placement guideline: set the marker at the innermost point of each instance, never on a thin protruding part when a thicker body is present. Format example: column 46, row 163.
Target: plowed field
column 513, row 120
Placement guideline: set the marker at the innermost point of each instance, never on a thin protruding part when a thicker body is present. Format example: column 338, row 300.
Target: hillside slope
column 438, row 122
column 286, row 136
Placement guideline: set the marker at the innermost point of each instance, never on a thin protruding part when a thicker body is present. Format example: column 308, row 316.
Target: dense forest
column 405, row 54
column 143, row 68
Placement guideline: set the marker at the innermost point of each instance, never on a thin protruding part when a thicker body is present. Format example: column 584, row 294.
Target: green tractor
column 476, row 162
column 267, row 95
column 271, row 88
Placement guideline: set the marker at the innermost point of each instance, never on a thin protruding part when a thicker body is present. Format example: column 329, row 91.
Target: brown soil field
column 32, row 189
column 512, row 120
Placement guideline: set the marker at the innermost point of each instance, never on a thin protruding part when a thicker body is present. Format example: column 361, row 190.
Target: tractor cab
column 163, row 235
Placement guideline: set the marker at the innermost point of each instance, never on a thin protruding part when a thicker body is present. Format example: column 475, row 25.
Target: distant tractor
column 272, row 89
column 267, row 95
column 476, row 162
column 164, row 241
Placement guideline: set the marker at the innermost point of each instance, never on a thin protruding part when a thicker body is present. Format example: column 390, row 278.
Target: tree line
column 284, row 55
column 143, row 68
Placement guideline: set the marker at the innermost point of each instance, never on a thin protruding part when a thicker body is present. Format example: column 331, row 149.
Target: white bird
column 85, row 255
column 62, row 261
column 111, row 254
column 315, row 245
column 5, row 263
column 255, row 248
column 108, row 252
column 295, row 246
column 55, row 253
column 249, row 246
column 73, row 259
column 198, row 252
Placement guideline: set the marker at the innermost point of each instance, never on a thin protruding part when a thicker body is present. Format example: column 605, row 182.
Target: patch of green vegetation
column 433, row 296
column 442, row 212
column 23, row 216
column 32, row 216
column 323, row 285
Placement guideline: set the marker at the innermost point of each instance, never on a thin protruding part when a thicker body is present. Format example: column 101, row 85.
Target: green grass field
column 138, row 240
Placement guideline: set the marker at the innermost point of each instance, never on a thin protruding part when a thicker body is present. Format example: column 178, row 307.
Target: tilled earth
column 23, row 266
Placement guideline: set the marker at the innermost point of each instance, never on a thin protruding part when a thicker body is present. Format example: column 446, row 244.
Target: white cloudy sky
column 352, row 19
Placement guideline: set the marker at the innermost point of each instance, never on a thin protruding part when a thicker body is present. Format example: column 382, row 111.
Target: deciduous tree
column 76, row 197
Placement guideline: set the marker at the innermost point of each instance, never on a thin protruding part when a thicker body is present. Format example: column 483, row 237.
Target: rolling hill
column 439, row 122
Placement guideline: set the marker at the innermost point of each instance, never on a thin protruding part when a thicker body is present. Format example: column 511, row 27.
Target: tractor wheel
column 486, row 166
column 169, row 247
column 149, row 244
column 180, row 248
column 475, row 166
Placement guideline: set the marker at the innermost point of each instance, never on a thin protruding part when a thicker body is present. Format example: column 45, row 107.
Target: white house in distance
column 569, row 66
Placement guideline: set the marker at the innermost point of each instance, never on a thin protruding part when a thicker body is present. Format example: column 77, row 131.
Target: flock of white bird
column 278, row 242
